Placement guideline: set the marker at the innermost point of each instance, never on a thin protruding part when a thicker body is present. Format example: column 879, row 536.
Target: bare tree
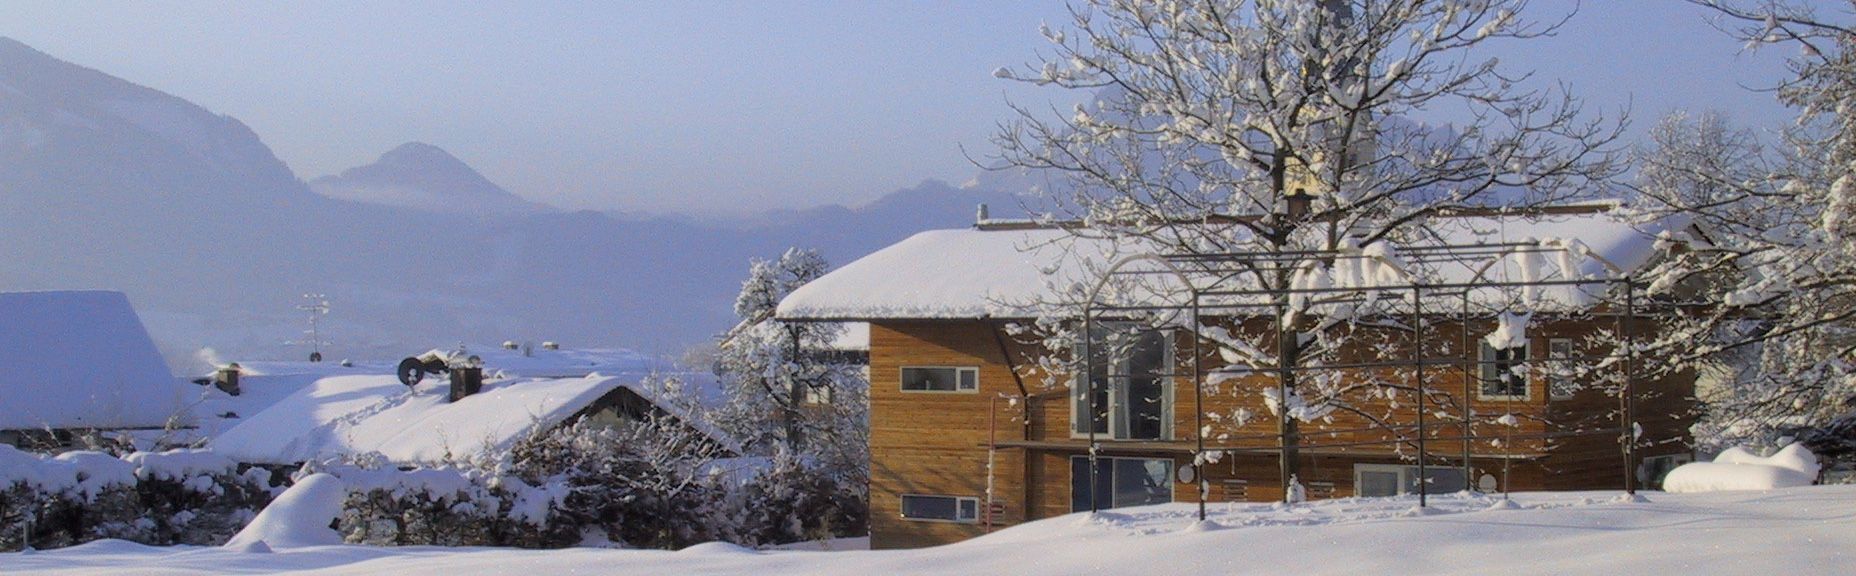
column 1774, row 264
column 1286, row 128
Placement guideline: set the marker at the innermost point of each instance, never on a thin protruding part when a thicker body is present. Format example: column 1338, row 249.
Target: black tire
column 411, row 371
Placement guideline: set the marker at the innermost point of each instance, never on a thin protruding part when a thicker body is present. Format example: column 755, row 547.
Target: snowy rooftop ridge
column 359, row 414
column 80, row 359
column 1005, row 269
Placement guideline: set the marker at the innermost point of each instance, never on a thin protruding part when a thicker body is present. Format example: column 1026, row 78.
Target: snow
column 977, row 273
column 299, row 517
column 1792, row 531
column 264, row 384
column 79, row 359
column 179, row 464
column 84, row 474
column 373, row 413
column 1738, row 469
column 936, row 274
column 1510, row 331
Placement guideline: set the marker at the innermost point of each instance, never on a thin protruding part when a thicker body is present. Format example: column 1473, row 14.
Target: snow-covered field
column 1796, row 531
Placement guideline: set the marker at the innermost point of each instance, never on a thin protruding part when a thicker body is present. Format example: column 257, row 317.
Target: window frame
column 1405, row 472
column 1555, row 380
column 1487, row 360
column 1172, row 481
column 1645, row 465
column 1168, row 390
column 959, row 507
column 902, row 383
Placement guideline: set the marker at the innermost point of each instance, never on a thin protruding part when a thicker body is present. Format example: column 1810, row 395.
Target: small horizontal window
column 940, row 379
column 942, row 508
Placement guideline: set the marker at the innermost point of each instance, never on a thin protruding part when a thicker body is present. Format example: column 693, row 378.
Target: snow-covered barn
column 74, row 361
column 949, row 379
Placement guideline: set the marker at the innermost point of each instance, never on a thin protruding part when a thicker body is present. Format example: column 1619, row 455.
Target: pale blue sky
column 718, row 106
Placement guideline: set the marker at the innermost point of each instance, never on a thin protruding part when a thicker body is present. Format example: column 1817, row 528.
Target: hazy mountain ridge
column 427, row 178
column 215, row 240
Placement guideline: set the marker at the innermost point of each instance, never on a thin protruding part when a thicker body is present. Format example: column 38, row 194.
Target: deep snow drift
column 1794, row 531
column 1738, row 469
column 299, row 517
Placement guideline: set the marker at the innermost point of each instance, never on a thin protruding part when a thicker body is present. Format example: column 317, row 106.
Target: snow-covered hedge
column 177, row 497
column 641, row 485
column 653, row 484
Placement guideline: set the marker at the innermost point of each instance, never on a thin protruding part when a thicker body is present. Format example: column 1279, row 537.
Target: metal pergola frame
column 1217, row 270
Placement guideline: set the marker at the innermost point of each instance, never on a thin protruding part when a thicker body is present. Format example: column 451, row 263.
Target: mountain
column 108, row 184
column 424, row 177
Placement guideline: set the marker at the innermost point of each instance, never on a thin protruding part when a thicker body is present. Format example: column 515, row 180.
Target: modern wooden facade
column 1010, row 435
column 969, row 433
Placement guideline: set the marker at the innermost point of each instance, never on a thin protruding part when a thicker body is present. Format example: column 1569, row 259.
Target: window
column 940, row 508
column 1128, row 394
column 1560, row 368
column 1396, row 479
column 1122, row 482
column 817, row 396
column 1500, row 379
column 1236, row 490
column 940, row 379
column 1651, row 472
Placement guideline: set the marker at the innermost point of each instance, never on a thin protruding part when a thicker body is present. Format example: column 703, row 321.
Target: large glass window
column 1128, row 394
column 1122, row 481
column 1395, row 479
column 940, row 379
column 1500, row 379
column 943, row 508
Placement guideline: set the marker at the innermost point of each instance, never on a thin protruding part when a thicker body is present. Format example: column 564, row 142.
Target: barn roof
column 1010, row 271
column 80, row 359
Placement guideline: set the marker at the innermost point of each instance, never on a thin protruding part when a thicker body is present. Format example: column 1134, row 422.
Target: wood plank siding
column 936, row 443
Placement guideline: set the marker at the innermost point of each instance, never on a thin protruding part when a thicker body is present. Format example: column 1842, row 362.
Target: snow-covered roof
column 358, row 414
column 79, row 359
column 264, row 383
column 1005, row 272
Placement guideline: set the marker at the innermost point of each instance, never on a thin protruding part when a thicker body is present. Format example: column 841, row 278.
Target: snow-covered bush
column 642, row 483
column 195, row 496
column 794, row 501
column 180, row 497
column 805, row 409
column 387, row 506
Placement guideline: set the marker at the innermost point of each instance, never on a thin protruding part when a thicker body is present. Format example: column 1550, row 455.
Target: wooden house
column 969, row 432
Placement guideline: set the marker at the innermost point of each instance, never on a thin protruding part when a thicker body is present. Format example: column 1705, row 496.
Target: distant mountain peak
column 420, row 153
column 424, row 177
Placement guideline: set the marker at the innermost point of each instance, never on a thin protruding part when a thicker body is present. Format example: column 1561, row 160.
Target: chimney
column 466, row 378
column 226, row 379
column 1299, row 201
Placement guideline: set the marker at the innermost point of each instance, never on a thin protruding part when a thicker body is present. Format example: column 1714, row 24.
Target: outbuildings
column 73, row 362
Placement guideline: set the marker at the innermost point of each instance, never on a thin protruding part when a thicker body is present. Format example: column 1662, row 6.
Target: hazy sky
column 720, row 106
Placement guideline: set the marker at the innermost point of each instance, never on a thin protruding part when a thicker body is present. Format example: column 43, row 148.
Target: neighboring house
column 351, row 415
column 73, row 362
column 957, row 407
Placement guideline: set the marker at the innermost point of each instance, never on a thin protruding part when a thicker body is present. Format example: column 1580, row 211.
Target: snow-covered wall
column 79, row 359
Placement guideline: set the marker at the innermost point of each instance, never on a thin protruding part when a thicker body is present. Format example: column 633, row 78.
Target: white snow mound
column 1737, row 469
column 299, row 517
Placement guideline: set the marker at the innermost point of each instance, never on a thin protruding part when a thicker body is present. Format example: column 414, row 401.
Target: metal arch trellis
column 1217, row 269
